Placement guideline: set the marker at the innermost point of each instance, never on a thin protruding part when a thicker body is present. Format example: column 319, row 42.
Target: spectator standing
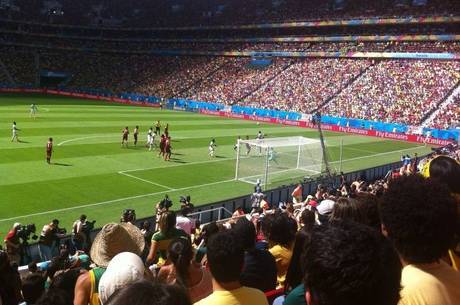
column 79, row 238
column 10, row 282
column 13, row 244
column 185, row 271
column 226, row 259
column 419, row 216
column 259, row 270
column 184, row 223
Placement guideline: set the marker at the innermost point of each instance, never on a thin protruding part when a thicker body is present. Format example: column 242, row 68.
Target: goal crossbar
column 279, row 142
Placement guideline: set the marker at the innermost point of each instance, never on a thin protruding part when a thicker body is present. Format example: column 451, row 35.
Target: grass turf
column 91, row 174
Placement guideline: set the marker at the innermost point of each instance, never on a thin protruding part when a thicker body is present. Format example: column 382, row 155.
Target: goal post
column 274, row 160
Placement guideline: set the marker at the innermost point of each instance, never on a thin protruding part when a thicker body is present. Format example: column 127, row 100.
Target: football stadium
column 230, row 152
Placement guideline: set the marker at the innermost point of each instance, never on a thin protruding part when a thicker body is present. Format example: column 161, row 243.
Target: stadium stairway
column 290, row 63
column 446, row 101
column 181, row 94
column 351, row 81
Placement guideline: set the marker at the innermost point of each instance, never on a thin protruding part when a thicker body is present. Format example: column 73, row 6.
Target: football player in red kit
column 49, row 150
column 162, row 145
column 124, row 139
column 167, row 149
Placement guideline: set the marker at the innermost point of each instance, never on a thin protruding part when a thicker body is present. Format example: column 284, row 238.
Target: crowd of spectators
column 391, row 241
column 307, row 84
column 449, row 116
column 397, row 91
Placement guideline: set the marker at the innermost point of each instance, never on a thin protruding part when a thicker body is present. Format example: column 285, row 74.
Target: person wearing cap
column 124, row 269
column 111, row 240
column 13, row 245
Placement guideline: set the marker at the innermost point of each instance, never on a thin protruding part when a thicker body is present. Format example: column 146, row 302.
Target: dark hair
column 347, row 209
column 82, row 217
column 32, row 267
column 148, row 293
column 55, row 297
column 167, row 221
column 66, row 281
column 282, row 231
column 10, row 282
column 447, row 171
column 33, row 287
column 370, row 209
column 245, row 232
column 308, row 218
column 420, row 218
column 347, row 263
column 209, row 230
column 225, row 257
column 295, row 270
column 180, row 252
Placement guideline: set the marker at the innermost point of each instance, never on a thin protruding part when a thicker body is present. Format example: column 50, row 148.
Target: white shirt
column 185, row 223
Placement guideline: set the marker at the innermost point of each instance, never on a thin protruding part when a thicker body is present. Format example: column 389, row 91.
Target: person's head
column 245, row 232
column 55, row 222
column 167, row 221
column 347, row 263
column 447, row 171
column 66, row 281
column 14, row 122
column 225, row 257
column 419, row 216
column 308, row 218
column 137, row 127
column 184, row 211
column 50, row 139
column 281, row 231
column 116, row 238
column 294, row 272
column 82, row 217
column 33, row 286
column 55, row 297
column 32, row 267
column 146, row 225
column 369, row 206
column 347, row 209
column 209, row 230
column 180, row 253
column 150, row 293
column 125, row 268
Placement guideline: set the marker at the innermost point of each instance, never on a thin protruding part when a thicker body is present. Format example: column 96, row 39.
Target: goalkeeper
column 272, row 155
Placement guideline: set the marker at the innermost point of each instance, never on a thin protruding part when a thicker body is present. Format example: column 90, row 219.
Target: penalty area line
column 115, row 200
column 146, row 181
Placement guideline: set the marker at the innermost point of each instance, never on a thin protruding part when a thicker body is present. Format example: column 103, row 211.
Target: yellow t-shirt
column 240, row 296
column 282, row 257
column 430, row 285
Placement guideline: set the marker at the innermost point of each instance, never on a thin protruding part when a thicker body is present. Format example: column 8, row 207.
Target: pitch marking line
column 179, row 189
column 147, row 181
column 84, row 138
column 115, row 200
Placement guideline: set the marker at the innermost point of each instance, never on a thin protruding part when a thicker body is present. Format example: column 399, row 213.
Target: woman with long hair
column 184, row 271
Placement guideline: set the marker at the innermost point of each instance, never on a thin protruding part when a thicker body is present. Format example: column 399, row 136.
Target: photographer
column 49, row 238
column 13, row 244
column 128, row 216
column 81, row 229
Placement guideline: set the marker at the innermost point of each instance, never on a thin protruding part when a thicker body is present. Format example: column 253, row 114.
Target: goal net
column 275, row 160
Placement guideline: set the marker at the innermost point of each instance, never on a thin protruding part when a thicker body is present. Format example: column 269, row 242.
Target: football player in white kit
column 212, row 147
column 260, row 137
column 33, row 110
column 15, row 130
column 150, row 139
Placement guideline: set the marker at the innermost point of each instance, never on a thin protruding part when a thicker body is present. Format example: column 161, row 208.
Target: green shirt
column 164, row 239
column 296, row 296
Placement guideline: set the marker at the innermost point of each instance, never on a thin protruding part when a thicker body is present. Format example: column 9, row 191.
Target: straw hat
column 116, row 238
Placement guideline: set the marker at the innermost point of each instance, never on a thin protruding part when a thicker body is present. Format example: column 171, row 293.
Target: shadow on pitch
column 175, row 160
column 61, row 164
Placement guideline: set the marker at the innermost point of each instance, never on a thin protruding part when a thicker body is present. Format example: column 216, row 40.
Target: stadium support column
column 298, row 154
column 238, row 147
column 266, row 167
column 327, row 168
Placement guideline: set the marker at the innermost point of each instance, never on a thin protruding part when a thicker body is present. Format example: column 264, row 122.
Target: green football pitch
column 92, row 174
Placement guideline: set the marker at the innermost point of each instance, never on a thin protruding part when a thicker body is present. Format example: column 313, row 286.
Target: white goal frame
column 265, row 146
